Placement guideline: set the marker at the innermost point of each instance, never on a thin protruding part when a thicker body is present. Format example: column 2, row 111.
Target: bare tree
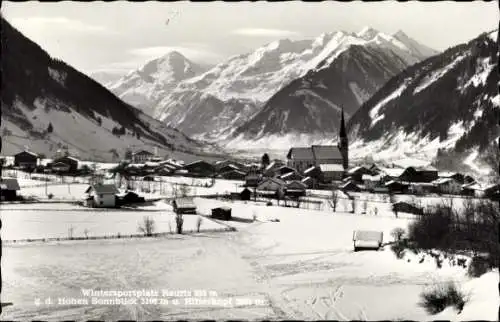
column 334, row 199
column 179, row 222
column 147, row 227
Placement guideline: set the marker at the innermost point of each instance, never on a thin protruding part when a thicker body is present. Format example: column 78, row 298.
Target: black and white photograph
column 250, row 161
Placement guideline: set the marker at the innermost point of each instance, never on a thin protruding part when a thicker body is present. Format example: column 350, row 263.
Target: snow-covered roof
column 309, row 169
column 393, row 172
column 443, row 180
column 301, row 153
column 331, row 167
column 326, row 152
column 446, row 174
column 28, row 152
column 355, row 169
column 306, row 179
column 103, row 189
column 370, row 178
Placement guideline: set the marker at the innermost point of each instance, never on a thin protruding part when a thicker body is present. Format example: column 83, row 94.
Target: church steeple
column 343, row 143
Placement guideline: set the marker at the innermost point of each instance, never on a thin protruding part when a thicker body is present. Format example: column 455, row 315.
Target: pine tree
column 50, row 128
column 265, row 161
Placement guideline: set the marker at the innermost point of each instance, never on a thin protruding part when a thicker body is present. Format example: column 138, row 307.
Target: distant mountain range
column 221, row 102
column 40, row 94
column 445, row 106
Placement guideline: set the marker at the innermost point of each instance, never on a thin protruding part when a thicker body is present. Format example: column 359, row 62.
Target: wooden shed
column 223, row 213
column 184, row 206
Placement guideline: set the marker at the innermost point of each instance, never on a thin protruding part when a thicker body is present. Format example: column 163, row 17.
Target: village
column 314, row 203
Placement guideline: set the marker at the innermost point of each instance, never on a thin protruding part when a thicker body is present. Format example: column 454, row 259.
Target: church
column 332, row 157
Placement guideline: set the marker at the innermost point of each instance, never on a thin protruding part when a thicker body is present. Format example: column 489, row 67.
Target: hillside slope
column 446, row 106
column 90, row 121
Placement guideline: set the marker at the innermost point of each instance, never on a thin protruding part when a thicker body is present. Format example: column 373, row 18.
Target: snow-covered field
column 37, row 221
column 302, row 267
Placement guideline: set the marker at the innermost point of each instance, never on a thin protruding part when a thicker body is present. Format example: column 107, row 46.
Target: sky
column 120, row 36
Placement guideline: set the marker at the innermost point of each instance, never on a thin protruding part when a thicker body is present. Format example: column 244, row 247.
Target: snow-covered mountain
column 349, row 70
column 222, row 99
column 446, row 106
column 47, row 105
column 145, row 87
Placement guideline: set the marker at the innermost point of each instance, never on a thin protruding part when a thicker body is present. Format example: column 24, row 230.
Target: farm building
column 128, row 197
column 272, row 186
column 142, row 156
column 291, row 176
column 70, row 161
column 223, row 213
column 313, row 172
column 371, row 182
column 388, row 174
column 447, row 185
column 350, row 186
column 422, row 188
column 453, row 175
column 233, row 175
column 26, row 159
column 8, row 189
column 357, row 173
column 252, row 179
column 492, row 191
column 331, row 172
column 309, row 182
column 396, row 187
column 427, row 173
column 101, row 196
column 295, row 189
column 246, row 194
column 184, row 206
column 227, row 168
column 200, row 168
column 60, row 167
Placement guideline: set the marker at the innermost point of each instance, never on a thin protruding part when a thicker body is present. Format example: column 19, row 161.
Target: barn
column 8, row 189
column 26, row 159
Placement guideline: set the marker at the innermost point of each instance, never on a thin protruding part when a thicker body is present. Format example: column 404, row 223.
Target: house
column 370, row 181
column 222, row 166
column 492, row 191
column 223, row 213
column 8, row 189
column 366, row 239
column 388, row 174
column 233, row 175
column 60, row 167
column 200, row 168
column 72, row 162
column 469, row 189
column 246, row 194
column 227, row 168
column 311, row 183
column 295, row 189
column 101, row 195
column 271, row 169
column 422, row 188
column 396, row 187
column 350, row 186
column 26, row 160
column 184, row 206
column 252, row 179
column 460, row 178
column 128, row 197
column 447, row 185
column 291, row 176
column 272, row 186
column 331, row 172
column 142, row 156
column 357, row 173
column 427, row 173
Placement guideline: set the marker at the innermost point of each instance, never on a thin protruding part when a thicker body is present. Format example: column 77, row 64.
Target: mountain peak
column 367, row 33
column 400, row 35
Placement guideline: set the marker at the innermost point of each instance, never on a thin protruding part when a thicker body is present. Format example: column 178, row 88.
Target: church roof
column 324, row 152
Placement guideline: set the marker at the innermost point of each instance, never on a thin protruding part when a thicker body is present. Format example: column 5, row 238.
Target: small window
column 101, row 203
column 101, row 196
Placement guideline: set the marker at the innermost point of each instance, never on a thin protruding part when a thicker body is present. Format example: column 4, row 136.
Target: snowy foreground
column 302, row 267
